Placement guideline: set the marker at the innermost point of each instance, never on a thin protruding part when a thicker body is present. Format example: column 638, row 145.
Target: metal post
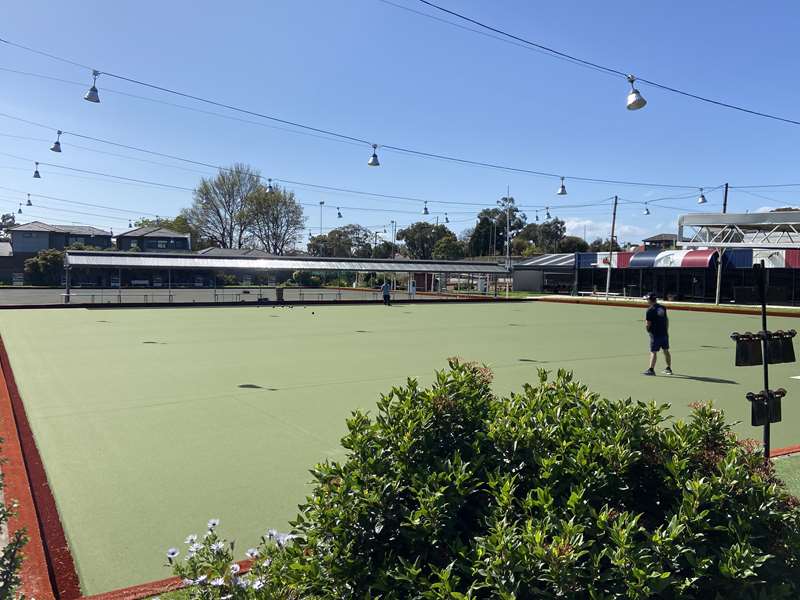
column 66, row 284
column 611, row 247
column 321, row 203
column 721, row 251
column 508, row 238
column 169, row 284
column 762, row 292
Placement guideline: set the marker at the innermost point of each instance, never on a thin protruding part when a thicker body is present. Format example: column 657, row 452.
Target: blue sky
column 374, row 71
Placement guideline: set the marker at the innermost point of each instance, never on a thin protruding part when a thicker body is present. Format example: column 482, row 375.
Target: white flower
column 235, row 568
column 195, row 548
column 252, row 553
column 218, row 582
column 226, row 597
column 172, row 553
column 272, row 534
column 257, row 585
column 242, row 583
column 217, row 546
column 188, row 581
column 212, row 523
column 201, row 578
column 190, row 539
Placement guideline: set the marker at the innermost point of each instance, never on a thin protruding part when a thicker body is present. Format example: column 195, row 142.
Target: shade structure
column 124, row 260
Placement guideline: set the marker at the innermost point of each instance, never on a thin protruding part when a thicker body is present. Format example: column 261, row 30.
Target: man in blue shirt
column 386, row 288
column 657, row 326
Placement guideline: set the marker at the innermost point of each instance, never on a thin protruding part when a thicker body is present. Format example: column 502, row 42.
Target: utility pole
column 611, row 247
column 508, row 238
column 720, row 252
column 321, row 203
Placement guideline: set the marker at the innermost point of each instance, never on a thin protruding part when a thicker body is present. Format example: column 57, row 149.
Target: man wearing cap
column 657, row 326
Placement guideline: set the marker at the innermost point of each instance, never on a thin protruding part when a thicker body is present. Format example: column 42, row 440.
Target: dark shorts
column 659, row 342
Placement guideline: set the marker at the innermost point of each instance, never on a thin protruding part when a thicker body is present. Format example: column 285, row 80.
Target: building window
column 27, row 234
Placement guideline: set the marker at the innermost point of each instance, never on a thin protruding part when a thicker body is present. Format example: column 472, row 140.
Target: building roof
column 73, row 229
column 662, row 237
column 548, row 260
column 155, row 260
column 153, row 232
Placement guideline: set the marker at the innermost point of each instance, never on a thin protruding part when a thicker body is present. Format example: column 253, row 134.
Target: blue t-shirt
column 657, row 315
column 386, row 288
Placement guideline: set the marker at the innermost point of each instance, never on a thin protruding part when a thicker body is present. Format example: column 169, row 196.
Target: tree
column 448, row 248
column 421, row 237
column 480, row 239
column 275, row 219
column 550, row 233
column 520, row 245
column 603, row 245
column 382, row 250
column 7, row 221
column 499, row 215
column 219, row 211
column 348, row 241
column 573, row 243
column 46, row 267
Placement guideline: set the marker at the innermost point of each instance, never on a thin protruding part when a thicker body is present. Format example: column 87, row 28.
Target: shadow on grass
column 704, row 379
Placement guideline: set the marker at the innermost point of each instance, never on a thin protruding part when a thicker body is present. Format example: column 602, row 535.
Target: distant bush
column 46, row 268
column 554, row 492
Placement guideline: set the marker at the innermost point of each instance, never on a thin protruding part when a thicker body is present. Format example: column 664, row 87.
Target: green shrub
column 554, row 492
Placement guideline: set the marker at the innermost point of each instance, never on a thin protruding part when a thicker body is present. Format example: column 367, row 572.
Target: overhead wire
column 609, row 70
column 391, row 147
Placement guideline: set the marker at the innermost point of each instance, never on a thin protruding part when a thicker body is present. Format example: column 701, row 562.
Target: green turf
column 788, row 468
column 146, row 433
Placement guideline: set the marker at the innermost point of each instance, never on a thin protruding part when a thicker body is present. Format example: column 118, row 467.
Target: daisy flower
column 235, row 568
column 252, row 553
column 190, row 539
column 212, row 523
column 218, row 582
column 172, row 553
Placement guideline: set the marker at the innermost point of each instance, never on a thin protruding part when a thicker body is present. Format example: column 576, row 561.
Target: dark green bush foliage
column 451, row 492
column 46, row 268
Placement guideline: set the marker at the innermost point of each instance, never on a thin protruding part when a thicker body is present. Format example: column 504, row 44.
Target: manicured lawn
column 788, row 468
column 151, row 421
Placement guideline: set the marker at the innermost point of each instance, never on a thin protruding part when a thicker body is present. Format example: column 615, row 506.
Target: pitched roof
column 152, row 231
column 549, row 260
column 73, row 229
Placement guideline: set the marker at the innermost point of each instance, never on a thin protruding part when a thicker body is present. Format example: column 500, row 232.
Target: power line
column 609, row 70
column 342, row 136
column 261, row 177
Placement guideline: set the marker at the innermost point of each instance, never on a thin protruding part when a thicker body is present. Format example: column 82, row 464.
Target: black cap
column 652, row 296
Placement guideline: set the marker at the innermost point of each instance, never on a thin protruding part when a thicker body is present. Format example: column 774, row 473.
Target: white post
column 611, row 247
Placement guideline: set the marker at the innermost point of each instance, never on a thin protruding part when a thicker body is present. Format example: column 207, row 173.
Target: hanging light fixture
column 646, row 210
column 425, row 210
column 36, row 172
column 19, row 210
column 446, row 220
column 548, row 213
column 338, row 213
column 702, row 198
column 562, row 190
column 92, row 95
column 56, row 147
column 537, row 215
column 130, row 225
column 29, row 203
column 635, row 99
column 373, row 160
column 270, row 189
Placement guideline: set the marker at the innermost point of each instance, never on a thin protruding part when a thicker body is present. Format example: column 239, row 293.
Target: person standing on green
column 386, row 288
column 657, row 325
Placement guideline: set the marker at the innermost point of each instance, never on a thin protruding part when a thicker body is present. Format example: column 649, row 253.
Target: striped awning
column 672, row 259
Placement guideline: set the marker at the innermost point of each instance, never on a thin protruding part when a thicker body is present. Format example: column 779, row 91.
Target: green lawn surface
column 151, row 421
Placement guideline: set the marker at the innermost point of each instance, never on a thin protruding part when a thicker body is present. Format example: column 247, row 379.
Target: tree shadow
column 704, row 379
